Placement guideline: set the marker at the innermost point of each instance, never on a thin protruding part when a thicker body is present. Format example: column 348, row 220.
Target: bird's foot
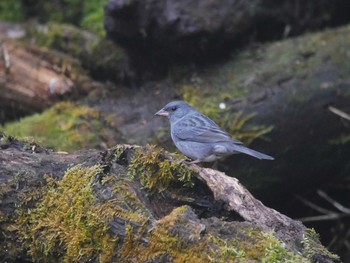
column 215, row 165
column 194, row 162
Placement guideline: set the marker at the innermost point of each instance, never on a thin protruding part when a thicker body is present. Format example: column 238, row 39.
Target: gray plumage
column 200, row 138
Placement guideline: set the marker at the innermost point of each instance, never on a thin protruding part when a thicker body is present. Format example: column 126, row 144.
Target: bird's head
column 175, row 110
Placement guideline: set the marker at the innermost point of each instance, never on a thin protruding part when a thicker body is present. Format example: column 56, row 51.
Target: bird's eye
column 173, row 108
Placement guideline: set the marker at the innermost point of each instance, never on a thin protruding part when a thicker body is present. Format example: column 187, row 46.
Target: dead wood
column 237, row 198
column 24, row 167
column 33, row 78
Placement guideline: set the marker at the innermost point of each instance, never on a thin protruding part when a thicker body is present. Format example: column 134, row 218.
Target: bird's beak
column 162, row 113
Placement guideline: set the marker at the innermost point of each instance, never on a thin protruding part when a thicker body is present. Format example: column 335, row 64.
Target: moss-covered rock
column 67, row 127
column 102, row 58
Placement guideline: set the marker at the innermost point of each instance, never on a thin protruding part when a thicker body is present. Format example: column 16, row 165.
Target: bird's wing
column 200, row 128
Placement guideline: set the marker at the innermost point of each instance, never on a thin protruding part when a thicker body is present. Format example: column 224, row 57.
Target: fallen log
column 33, row 78
column 133, row 204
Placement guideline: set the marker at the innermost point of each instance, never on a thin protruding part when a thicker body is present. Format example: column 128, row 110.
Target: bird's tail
column 259, row 155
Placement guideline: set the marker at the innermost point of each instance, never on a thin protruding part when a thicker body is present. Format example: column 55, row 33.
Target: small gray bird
column 200, row 138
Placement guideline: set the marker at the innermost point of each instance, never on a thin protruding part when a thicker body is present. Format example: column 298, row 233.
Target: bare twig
column 314, row 206
column 338, row 112
column 336, row 204
column 6, row 56
column 333, row 216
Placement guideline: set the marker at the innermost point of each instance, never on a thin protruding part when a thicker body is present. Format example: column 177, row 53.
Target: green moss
column 341, row 139
column 86, row 14
column 97, row 54
column 106, row 54
column 128, row 202
column 66, row 126
column 18, row 189
column 177, row 238
column 313, row 246
column 11, row 10
column 93, row 16
column 157, row 172
column 62, row 37
column 118, row 152
column 68, row 225
column 162, row 244
column 4, row 138
column 253, row 246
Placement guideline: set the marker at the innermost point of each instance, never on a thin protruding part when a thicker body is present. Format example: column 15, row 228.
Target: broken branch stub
column 237, row 198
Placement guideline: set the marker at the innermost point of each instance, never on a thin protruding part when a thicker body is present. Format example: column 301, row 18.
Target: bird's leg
column 188, row 161
column 215, row 165
column 185, row 161
column 195, row 161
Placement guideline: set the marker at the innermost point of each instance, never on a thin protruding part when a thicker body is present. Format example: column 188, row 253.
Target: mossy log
column 26, row 74
column 33, row 78
column 133, row 204
column 39, row 64
column 103, row 59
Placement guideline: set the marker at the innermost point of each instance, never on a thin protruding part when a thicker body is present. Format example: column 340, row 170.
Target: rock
column 160, row 31
column 278, row 95
column 164, row 31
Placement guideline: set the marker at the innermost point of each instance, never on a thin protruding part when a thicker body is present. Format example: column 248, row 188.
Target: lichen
column 66, row 126
column 158, row 170
column 68, row 224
